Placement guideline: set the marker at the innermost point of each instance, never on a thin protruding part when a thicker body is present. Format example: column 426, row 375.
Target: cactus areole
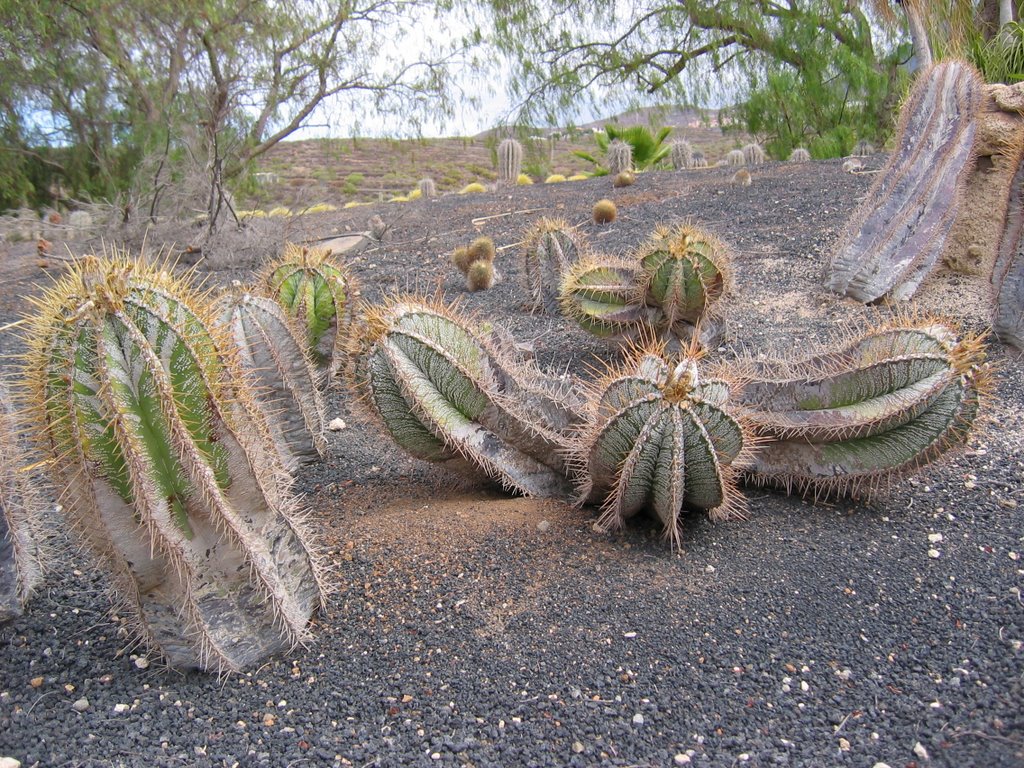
column 166, row 466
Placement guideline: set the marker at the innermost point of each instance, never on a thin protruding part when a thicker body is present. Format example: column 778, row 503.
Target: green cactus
column 660, row 436
column 165, row 465
column 314, row 289
column 892, row 400
column 549, row 248
column 681, row 155
column 449, row 394
column 510, row 161
column 599, row 293
column 1008, row 272
column 272, row 350
column 21, row 520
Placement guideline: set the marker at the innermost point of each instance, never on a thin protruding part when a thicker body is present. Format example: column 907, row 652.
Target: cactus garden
column 657, row 484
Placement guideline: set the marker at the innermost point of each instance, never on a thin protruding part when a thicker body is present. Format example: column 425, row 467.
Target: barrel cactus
column 510, row 161
column 549, row 248
column 599, row 293
column 315, row 289
column 21, row 520
column 681, row 154
column 620, row 157
column 165, row 465
column 274, row 353
column 659, row 435
column 447, row 393
column 852, row 418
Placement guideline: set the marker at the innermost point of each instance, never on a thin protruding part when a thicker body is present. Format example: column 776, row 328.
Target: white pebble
column 81, row 705
column 681, row 759
column 804, row 686
column 336, row 425
column 934, row 554
column 142, row 662
column 920, row 751
column 934, row 538
column 9, row 762
column 880, row 765
column 709, row 569
column 638, row 719
column 120, row 709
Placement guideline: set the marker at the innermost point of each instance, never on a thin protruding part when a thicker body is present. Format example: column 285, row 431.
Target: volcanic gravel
column 468, row 627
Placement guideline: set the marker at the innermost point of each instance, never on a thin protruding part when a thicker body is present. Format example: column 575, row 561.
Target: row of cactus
column 166, row 465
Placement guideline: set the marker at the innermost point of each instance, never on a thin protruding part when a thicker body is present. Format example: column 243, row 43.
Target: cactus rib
column 549, row 248
column 1008, row 274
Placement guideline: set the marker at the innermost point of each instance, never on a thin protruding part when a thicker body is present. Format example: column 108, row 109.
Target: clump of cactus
column 474, row 187
column 600, row 294
column 460, row 259
column 799, row 155
column 660, row 436
column 476, row 262
column 604, row 212
column 1008, row 274
column 21, row 520
column 314, row 289
column 555, row 178
column 448, row 393
column 895, row 237
column 272, row 350
column 619, row 157
column 166, row 465
column 753, row 154
column 681, row 155
column 523, row 180
column 735, row 157
column 549, row 248
column 510, row 161
column 852, row 418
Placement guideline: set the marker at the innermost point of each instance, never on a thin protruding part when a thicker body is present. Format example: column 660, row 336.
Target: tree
column 207, row 85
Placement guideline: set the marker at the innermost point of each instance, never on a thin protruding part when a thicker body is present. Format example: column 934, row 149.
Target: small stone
column 934, row 554
column 804, row 686
column 709, row 569
column 920, row 751
column 880, row 765
column 577, row 747
column 120, row 709
column 269, row 719
column 543, row 526
column 934, row 538
column 638, row 719
column 142, row 662
column 9, row 762
column 80, row 705
column 435, row 756
column 681, row 759
column 36, row 682
column 844, row 745
column 336, row 425
column 629, row 635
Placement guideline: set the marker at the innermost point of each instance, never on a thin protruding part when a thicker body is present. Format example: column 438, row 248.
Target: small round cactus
column 624, row 179
column 555, row 178
column 474, row 187
column 742, row 178
column 863, row 148
column 605, row 212
column 481, row 249
column 799, row 155
column 480, row 276
column 461, row 259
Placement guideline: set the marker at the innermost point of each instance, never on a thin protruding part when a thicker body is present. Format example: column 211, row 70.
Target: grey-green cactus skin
column 620, row 157
column 1008, row 274
column 895, row 237
column 753, row 154
column 550, row 247
column 599, row 293
column 273, row 351
column 735, row 157
column 510, row 161
column 896, row 398
column 799, row 155
column 447, row 393
column 681, row 155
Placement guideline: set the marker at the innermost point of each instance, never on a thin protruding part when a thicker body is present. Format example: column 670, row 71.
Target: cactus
column 605, row 212
column 892, row 400
column 480, row 276
column 699, row 161
column 684, row 273
column 449, row 394
column 753, row 154
column 681, row 155
column 742, row 178
column 314, row 289
column 863, row 148
column 620, row 157
column 735, row 157
column 799, row 155
column 523, row 180
column 273, row 352
column 427, row 187
column 659, row 435
column 510, row 161
column 166, row 466
column 481, row 249
column 472, row 188
column 555, row 178
column 624, row 179
column 1008, row 274
column 549, row 248
column 894, row 238
column 599, row 293
column 461, row 260
column 21, row 520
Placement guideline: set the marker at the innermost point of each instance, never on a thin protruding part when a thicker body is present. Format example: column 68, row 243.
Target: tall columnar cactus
column 753, row 154
column 890, row 401
column 21, row 520
column 620, row 157
column 510, row 161
column 681, row 155
column 427, row 187
column 684, row 273
column 735, row 157
column 895, row 237
column 1008, row 275
column 447, row 393
column 599, row 293
column 549, row 248
column 659, row 435
column 272, row 350
column 315, row 289
column 166, row 466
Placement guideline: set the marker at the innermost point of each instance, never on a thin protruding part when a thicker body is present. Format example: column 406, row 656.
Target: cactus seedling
column 735, row 157
column 167, row 468
column 661, row 436
column 313, row 288
column 605, row 212
column 427, row 187
column 624, row 179
column 549, row 248
column 448, row 394
column 510, row 161
column 273, row 351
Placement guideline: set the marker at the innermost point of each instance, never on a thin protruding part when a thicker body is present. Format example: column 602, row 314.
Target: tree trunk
column 918, row 35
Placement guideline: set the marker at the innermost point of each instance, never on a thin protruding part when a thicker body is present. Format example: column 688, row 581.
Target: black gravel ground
column 469, row 628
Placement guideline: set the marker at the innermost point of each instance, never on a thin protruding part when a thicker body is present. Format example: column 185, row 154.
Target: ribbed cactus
column 549, row 248
column 799, row 155
column 895, row 237
column 427, row 187
column 886, row 403
column 447, row 393
column 272, row 350
column 1008, row 274
column 21, row 520
column 699, row 161
column 315, row 289
column 735, row 157
column 681, row 155
column 619, row 157
column 599, row 293
column 166, row 467
column 753, row 154
column 660, row 436
column 863, row 148
column 683, row 275
column 510, row 161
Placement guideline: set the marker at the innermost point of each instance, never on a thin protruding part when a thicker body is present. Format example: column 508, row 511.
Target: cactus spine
column 166, row 466
column 21, row 521
column 1008, row 274
column 314, row 289
column 273, row 352
column 620, row 157
column 450, row 395
column 659, row 435
column 549, row 248
column 510, row 161
column 894, row 238
column 681, row 155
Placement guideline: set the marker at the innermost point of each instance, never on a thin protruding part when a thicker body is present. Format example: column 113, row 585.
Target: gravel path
column 469, row 628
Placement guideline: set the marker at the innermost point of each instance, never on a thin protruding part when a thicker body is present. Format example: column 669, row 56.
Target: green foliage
column 648, row 147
